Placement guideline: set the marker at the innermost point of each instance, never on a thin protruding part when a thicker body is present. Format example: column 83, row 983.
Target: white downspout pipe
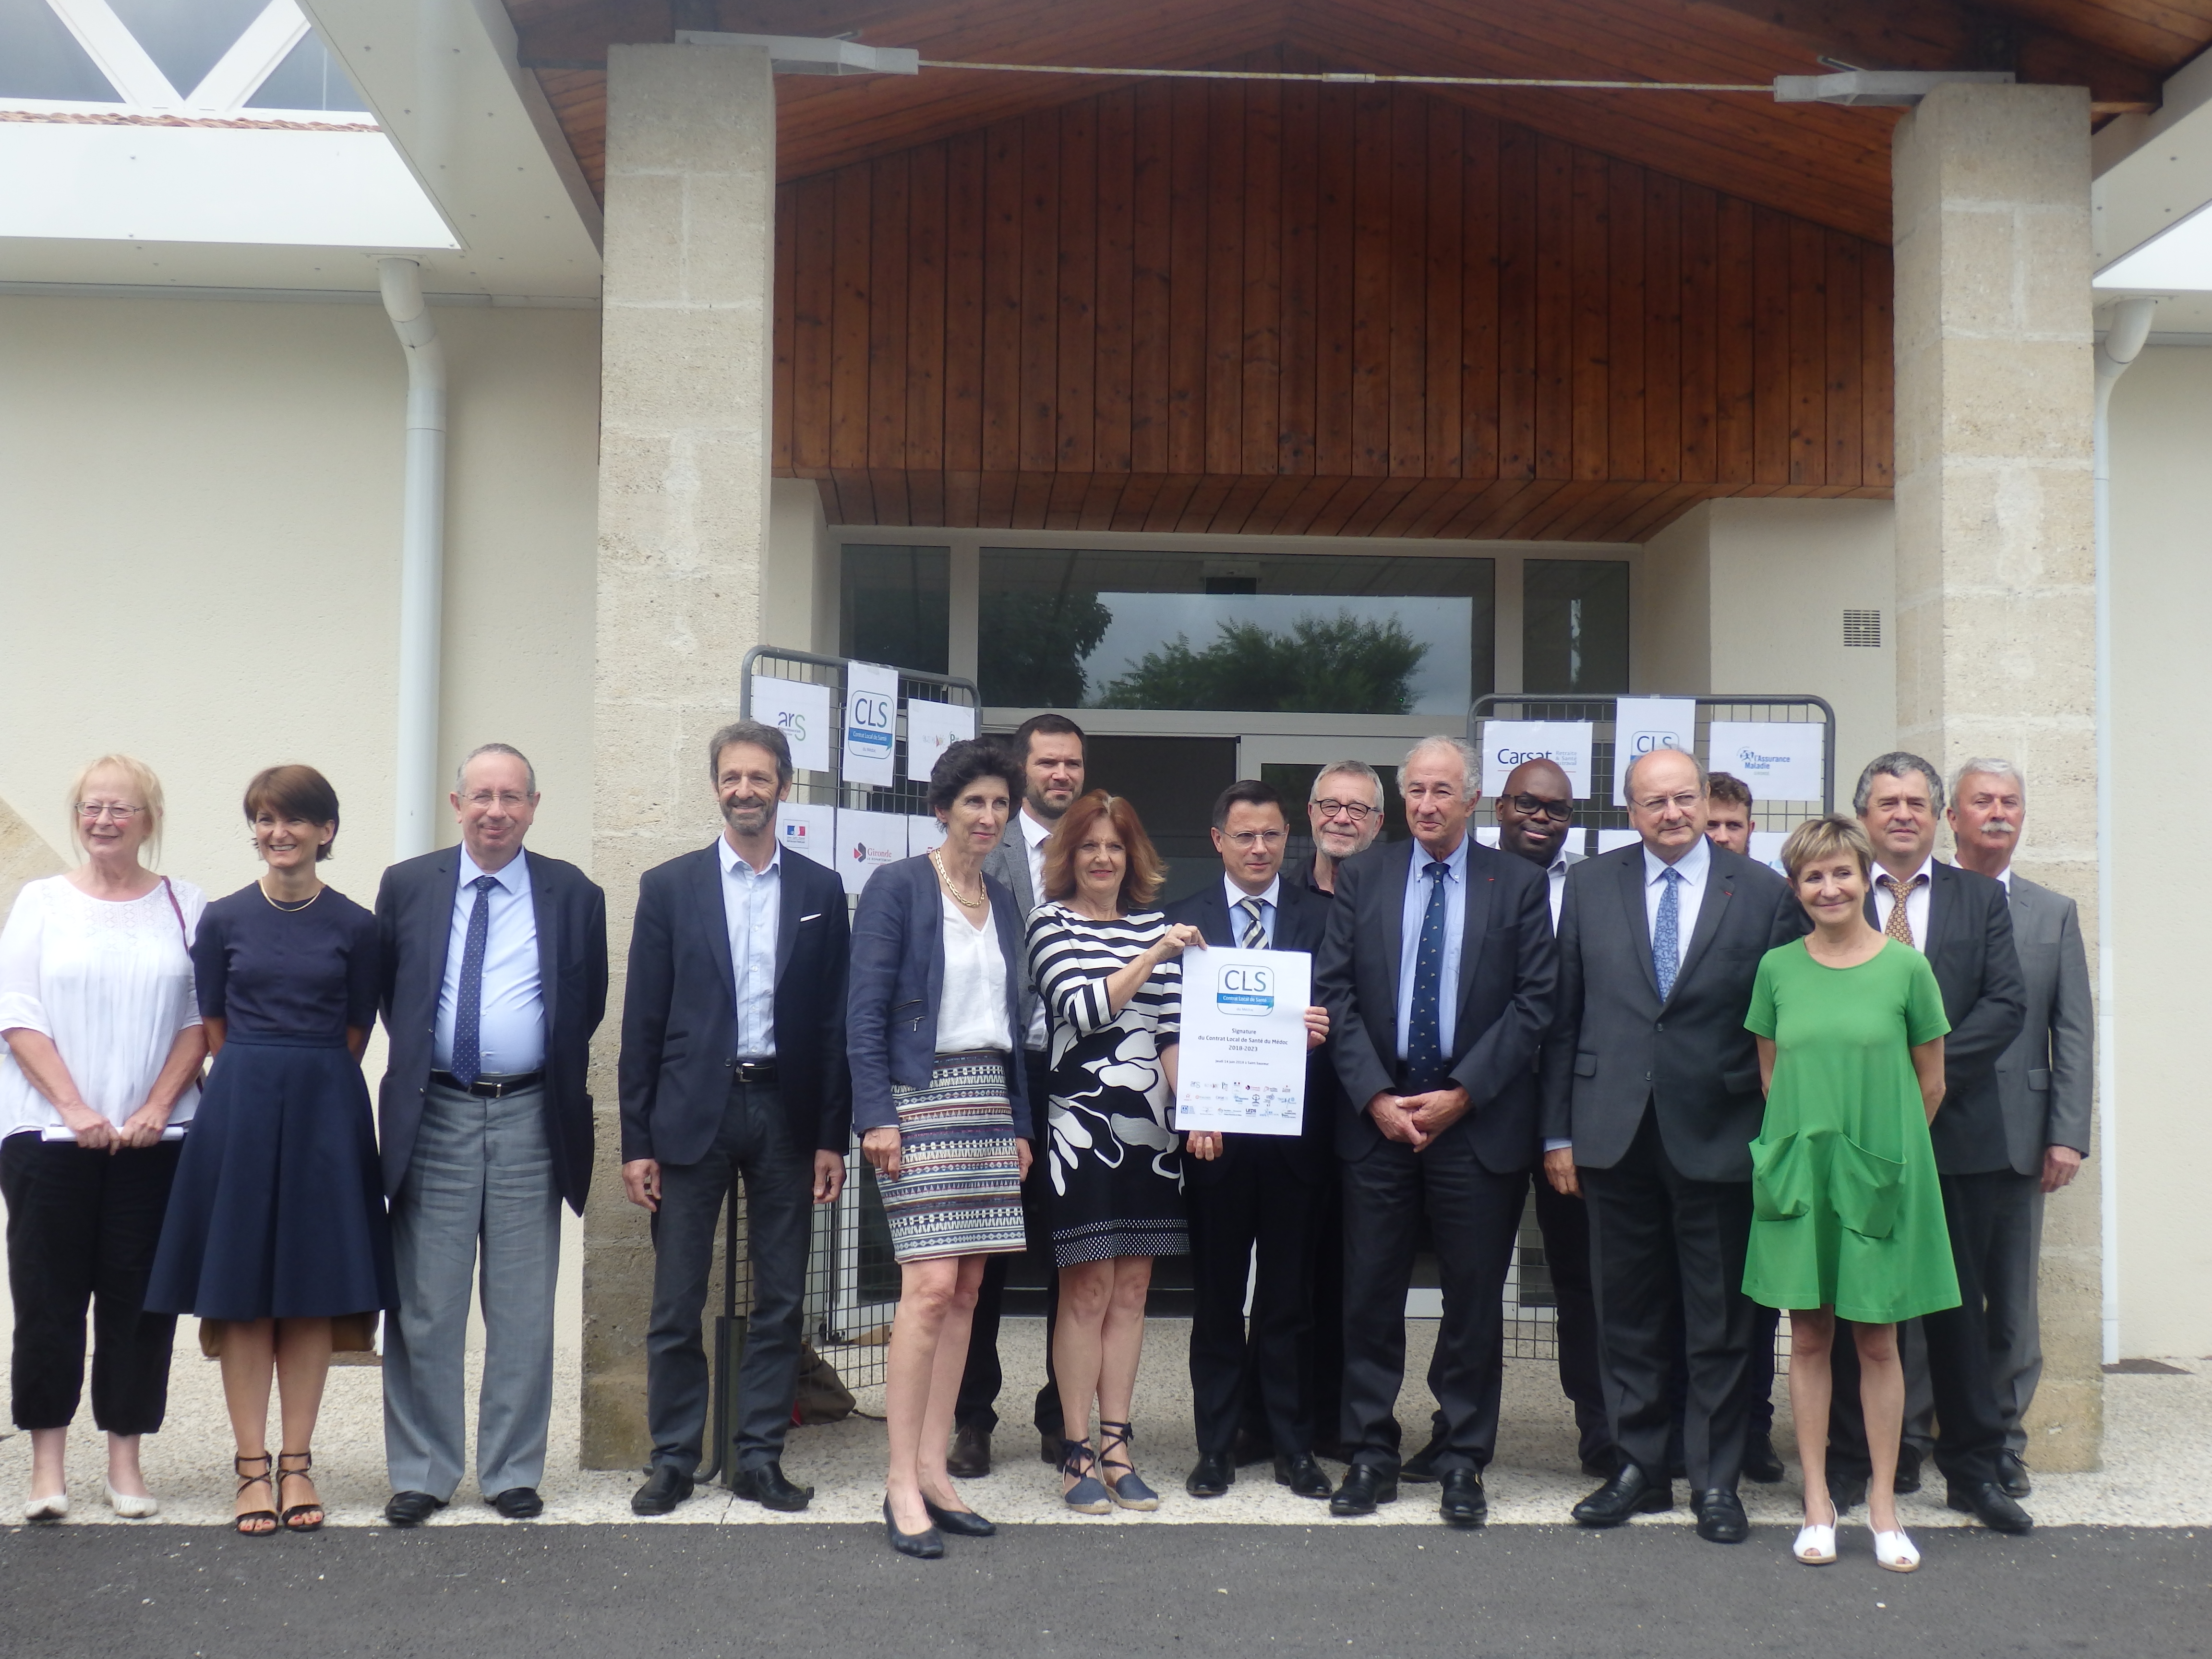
column 2123, row 342
column 421, row 560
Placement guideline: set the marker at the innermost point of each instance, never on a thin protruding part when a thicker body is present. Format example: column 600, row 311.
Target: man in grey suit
column 1051, row 749
column 2044, row 1079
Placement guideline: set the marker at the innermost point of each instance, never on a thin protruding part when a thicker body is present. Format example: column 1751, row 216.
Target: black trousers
column 1252, row 1222
column 755, row 1142
column 82, row 1230
column 1985, row 1216
column 977, row 1406
column 1473, row 1215
column 1667, row 1259
column 1758, row 1372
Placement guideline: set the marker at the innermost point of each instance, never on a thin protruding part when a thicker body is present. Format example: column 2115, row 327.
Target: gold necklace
column 290, row 909
column 946, row 882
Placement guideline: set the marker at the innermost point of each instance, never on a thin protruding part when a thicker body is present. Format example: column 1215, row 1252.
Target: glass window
column 1574, row 625
column 896, row 605
column 308, row 78
column 1351, row 634
column 41, row 58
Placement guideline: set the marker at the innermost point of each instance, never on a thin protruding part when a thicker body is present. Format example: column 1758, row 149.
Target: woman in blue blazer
column 933, row 1010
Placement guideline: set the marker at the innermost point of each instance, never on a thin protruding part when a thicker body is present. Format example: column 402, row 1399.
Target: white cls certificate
column 1243, row 1061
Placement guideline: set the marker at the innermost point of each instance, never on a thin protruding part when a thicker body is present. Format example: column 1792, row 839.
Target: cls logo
column 1649, row 743
column 1261, row 981
column 872, row 712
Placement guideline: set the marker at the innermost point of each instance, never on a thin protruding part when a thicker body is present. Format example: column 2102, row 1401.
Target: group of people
column 1840, row 1093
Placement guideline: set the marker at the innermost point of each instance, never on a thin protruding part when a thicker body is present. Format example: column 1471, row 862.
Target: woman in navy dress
column 276, row 1223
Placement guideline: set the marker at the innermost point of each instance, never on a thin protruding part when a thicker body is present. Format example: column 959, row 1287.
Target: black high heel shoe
column 927, row 1545
column 961, row 1523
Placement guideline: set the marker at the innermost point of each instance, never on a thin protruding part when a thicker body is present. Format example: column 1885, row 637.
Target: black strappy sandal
column 1088, row 1495
column 238, row 1522
column 291, row 1516
column 1125, row 1490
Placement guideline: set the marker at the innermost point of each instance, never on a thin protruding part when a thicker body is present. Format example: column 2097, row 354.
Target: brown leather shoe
column 970, row 1456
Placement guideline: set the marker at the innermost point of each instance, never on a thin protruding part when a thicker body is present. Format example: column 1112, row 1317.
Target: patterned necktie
column 1667, row 935
column 1255, row 923
column 1425, row 1048
column 1899, row 926
column 468, row 1002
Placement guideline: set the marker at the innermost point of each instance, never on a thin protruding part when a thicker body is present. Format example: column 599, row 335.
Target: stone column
column 684, row 492
column 1994, row 549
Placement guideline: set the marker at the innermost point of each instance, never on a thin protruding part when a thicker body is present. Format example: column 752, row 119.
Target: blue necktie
column 1667, row 936
column 1425, row 1048
column 468, row 1002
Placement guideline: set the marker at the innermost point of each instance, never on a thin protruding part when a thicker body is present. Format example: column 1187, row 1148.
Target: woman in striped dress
column 1107, row 967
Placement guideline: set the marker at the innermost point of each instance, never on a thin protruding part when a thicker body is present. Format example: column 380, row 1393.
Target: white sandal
column 133, row 1506
column 1816, row 1545
column 1894, row 1551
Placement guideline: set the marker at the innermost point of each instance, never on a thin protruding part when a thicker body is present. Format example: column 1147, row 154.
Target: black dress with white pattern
column 1114, row 1159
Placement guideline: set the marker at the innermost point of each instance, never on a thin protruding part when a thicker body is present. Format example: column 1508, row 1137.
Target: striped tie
column 1900, row 923
column 1255, row 923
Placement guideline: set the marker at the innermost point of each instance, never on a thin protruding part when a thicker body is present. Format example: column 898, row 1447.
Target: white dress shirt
column 971, row 1014
column 1693, row 866
column 1555, row 872
column 1916, row 902
column 511, row 1019
column 1034, row 837
column 1416, row 905
column 752, row 905
column 2004, row 879
column 1269, row 902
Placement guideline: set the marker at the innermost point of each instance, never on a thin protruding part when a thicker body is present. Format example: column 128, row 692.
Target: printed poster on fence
column 807, row 830
column 931, row 729
column 1641, row 724
column 1507, row 743
column 1778, row 760
column 924, row 835
column 865, row 842
column 803, row 713
column 1243, row 1065
column 871, row 724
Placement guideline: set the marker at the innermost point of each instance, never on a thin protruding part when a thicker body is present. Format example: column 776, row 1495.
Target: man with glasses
column 1345, row 809
column 1256, row 1201
column 1651, row 1100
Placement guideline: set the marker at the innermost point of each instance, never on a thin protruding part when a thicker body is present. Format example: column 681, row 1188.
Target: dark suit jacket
column 1970, row 946
column 1009, row 866
column 1301, row 920
column 2046, row 1078
column 1508, row 978
column 1615, row 1048
column 898, row 982
column 414, row 925
column 680, row 1010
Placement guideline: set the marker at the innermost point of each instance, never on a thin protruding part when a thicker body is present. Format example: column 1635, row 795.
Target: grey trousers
column 479, row 1192
column 2015, row 1320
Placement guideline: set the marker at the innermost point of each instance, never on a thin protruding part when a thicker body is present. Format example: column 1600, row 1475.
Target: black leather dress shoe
column 1720, row 1517
column 1846, row 1492
column 1987, row 1503
column 518, row 1504
column 970, row 1456
column 1365, row 1484
column 1908, row 1469
column 1251, row 1448
column 1211, row 1476
column 664, row 1489
column 927, row 1545
column 1629, row 1492
column 1303, row 1474
column 1421, row 1468
column 1760, row 1461
column 765, row 1485
column 2012, row 1476
column 411, row 1509
column 1464, row 1503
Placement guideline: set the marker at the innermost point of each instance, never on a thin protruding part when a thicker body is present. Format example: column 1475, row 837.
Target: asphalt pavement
column 642, row 1591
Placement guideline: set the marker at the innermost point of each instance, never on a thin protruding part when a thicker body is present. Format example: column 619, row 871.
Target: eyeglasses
column 1536, row 806
column 507, row 798
column 1246, row 839
column 1681, row 803
column 94, row 810
column 1355, row 811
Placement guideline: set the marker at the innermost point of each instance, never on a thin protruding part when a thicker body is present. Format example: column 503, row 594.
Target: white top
column 1555, row 872
column 1915, row 901
column 511, row 1019
column 1693, row 866
column 1034, row 837
column 752, row 909
column 972, row 1014
column 110, row 982
column 1268, row 900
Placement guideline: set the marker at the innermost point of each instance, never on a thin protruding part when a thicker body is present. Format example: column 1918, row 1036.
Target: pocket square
column 816, row 916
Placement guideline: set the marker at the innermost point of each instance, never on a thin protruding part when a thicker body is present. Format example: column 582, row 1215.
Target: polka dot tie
column 1900, row 920
column 1667, row 935
column 1425, row 1048
column 468, row 1001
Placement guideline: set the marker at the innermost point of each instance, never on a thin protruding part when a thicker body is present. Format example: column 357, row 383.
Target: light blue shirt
column 1693, row 866
column 1269, row 902
column 1409, row 948
column 511, row 1024
column 752, row 905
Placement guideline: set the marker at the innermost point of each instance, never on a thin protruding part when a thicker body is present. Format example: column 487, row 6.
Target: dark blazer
column 1009, row 866
column 1615, row 1047
column 2046, row 1078
column 1508, row 978
column 680, row 1010
column 898, row 982
column 1301, row 920
column 1970, row 946
column 414, row 925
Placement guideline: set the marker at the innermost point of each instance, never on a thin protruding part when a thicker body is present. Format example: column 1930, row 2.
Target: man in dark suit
column 495, row 976
column 1438, row 974
column 2045, row 1080
column 733, row 1063
column 1259, row 1193
column 1962, row 923
column 1651, row 1100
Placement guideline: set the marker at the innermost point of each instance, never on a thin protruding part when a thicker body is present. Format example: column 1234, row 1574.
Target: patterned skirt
column 959, row 1189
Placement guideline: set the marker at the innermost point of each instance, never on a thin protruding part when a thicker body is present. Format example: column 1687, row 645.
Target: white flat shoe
column 139, row 1507
column 47, row 1508
column 1816, row 1545
column 1894, row 1551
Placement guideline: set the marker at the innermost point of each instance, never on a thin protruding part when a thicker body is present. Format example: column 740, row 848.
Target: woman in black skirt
column 276, row 1223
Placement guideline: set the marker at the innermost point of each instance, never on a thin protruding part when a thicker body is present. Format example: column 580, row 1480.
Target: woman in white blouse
column 98, row 1074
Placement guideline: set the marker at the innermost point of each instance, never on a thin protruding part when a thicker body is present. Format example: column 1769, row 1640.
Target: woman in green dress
column 1847, row 1218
